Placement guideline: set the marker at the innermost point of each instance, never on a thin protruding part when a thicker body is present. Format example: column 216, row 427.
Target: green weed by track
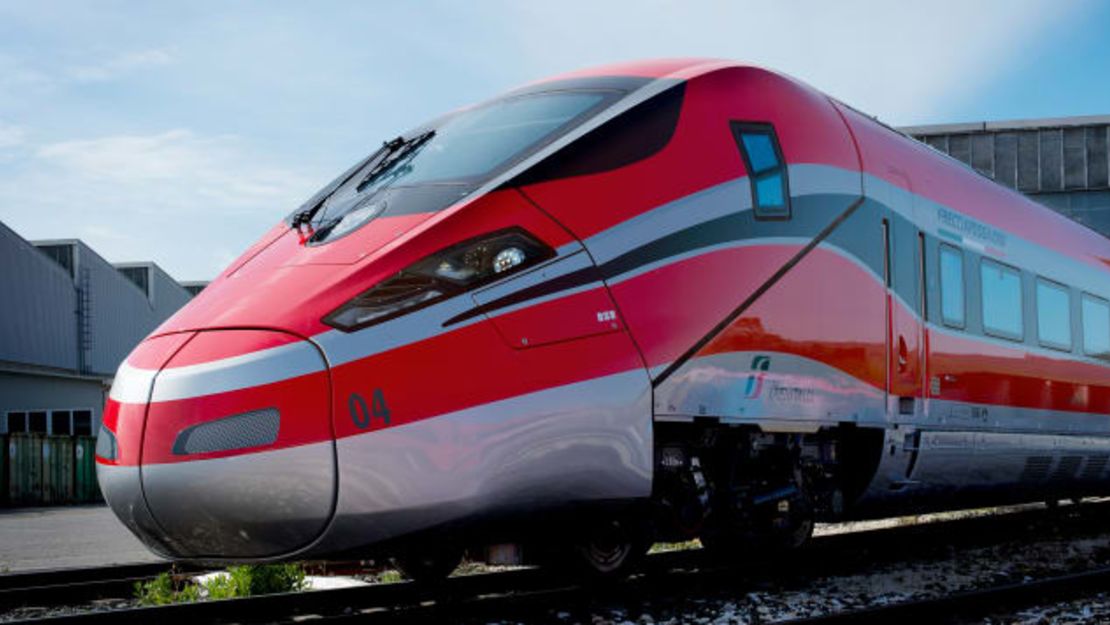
column 238, row 581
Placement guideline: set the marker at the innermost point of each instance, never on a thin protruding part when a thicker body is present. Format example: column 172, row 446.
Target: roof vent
column 139, row 275
column 61, row 253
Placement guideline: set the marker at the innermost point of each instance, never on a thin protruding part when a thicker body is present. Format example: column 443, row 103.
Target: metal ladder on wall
column 84, row 323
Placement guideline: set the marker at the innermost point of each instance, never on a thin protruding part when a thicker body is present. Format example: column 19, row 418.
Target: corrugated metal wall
column 38, row 319
column 120, row 313
column 85, row 322
column 167, row 293
column 1065, row 167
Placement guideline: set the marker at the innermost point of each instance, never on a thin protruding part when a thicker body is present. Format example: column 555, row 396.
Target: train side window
column 1002, row 301
column 759, row 147
column 1096, row 326
column 952, row 307
column 1053, row 315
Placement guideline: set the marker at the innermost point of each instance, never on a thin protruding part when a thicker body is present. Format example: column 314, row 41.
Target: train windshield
column 458, row 154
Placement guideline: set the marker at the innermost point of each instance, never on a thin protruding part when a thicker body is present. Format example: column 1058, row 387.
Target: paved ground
column 65, row 537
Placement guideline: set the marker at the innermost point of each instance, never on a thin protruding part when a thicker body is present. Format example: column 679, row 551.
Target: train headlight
column 444, row 274
column 508, row 258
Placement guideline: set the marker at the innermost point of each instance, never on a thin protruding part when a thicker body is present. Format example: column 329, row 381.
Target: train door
column 902, row 268
column 905, row 302
column 905, row 299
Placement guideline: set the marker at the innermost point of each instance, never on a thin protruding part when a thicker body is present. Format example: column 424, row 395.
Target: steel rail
column 970, row 604
column 79, row 585
column 54, row 577
column 74, row 585
column 959, row 607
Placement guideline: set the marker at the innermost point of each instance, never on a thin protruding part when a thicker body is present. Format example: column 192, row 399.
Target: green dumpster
column 85, row 486
column 25, row 467
column 3, row 469
column 57, row 469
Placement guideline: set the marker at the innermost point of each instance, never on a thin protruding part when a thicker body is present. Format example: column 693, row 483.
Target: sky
column 180, row 132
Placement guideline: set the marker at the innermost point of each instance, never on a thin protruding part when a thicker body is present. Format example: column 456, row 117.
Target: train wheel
column 609, row 549
column 430, row 565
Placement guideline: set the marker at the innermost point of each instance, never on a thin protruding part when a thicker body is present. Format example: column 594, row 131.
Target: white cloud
column 122, row 64
column 177, row 169
column 174, row 197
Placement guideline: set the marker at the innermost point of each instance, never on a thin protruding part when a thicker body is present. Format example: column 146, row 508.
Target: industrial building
column 1061, row 163
column 69, row 318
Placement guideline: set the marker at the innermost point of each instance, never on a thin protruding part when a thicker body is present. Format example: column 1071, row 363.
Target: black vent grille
column 249, row 429
column 1068, row 468
column 1095, row 466
column 1036, row 468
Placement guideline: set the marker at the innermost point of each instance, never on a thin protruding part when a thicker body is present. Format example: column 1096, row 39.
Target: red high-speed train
column 660, row 300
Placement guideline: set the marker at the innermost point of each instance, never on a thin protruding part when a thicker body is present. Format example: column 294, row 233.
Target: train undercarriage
column 739, row 489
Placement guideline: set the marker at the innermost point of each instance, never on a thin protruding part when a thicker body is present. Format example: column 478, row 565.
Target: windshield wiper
column 304, row 217
column 397, row 150
column 390, row 153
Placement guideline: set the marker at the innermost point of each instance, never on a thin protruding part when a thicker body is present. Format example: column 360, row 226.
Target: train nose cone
column 237, row 454
column 119, row 442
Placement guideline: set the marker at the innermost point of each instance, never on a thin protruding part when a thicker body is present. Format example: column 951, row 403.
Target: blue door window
column 759, row 148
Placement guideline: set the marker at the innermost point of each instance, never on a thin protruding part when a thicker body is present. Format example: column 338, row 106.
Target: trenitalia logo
column 760, row 364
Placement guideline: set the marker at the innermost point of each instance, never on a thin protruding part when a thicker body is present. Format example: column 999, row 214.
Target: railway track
column 956, row 608
column 527, row 592
column 963, row 607
column 52, row 587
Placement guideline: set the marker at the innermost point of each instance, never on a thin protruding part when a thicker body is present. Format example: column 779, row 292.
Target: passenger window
column 1001, row 294
column 1096, row 326
column 1053, row 315
column 952, row 286
column 759, row 147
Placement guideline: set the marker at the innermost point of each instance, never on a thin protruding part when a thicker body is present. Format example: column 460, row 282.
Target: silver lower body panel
column 257, row 505
column 581, row 442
